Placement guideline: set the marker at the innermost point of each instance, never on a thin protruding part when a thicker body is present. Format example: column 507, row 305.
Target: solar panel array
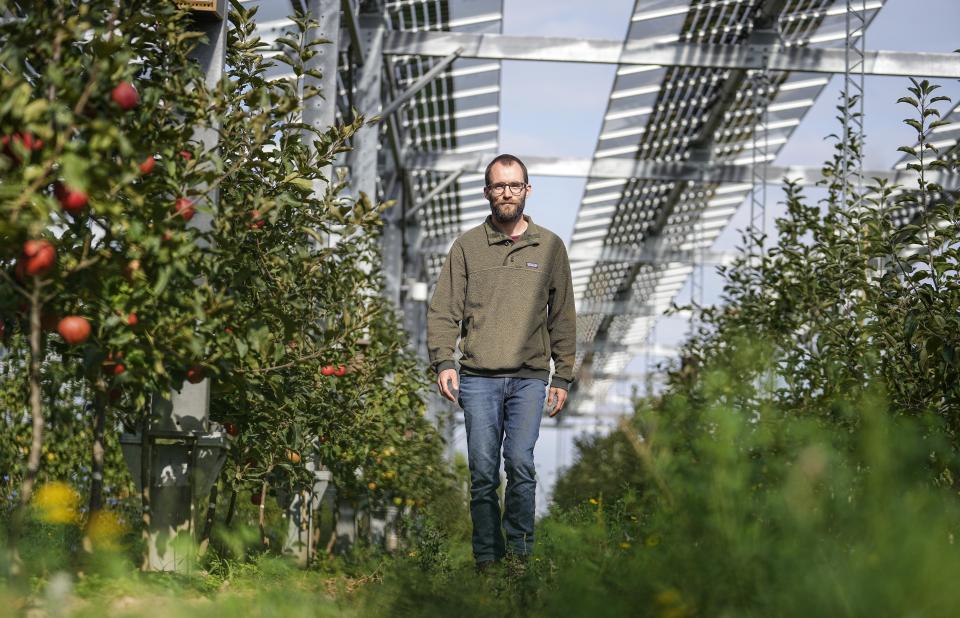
column 660, row 114
column 459, row 112
column 633, row 238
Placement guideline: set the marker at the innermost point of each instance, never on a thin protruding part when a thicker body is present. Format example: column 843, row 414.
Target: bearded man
column 506, row 291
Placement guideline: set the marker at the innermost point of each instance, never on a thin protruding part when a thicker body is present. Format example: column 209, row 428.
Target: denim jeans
column 502, row 412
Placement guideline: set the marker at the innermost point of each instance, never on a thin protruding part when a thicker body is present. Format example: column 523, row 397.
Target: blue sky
column 555, row 109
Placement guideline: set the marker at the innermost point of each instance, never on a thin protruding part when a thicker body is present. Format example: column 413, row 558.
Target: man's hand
column 448, row 375
column 556, row 400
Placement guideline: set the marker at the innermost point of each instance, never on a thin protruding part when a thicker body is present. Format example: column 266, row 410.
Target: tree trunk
column 99, row 422
column 36, row 401
column 263, row 503
column 36, row 413
column 231, row 508
column 208, row 523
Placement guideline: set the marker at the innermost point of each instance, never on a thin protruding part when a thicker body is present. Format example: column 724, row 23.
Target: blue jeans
column 507, row 412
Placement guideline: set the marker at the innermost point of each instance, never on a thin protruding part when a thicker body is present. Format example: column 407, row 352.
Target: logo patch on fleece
column 532, row 265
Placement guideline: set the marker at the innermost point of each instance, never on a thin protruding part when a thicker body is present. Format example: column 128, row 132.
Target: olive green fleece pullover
column 511, row 304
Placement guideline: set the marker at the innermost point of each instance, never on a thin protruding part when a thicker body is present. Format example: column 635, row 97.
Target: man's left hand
column 556, row 399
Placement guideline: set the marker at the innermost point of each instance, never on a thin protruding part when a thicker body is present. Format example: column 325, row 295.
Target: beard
column 508, row 212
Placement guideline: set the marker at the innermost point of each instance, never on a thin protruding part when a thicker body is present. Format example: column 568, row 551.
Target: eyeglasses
column 515, row 187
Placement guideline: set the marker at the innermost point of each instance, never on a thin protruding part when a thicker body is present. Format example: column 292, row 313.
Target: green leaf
column 75, row 170
column 303, row 183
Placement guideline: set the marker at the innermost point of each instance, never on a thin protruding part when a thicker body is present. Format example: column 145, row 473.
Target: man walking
column 506, row 291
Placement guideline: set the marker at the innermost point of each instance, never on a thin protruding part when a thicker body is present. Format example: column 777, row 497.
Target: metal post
column 346, row 527
column 300, row 516
column 320, row 112
column 363, row 164
column 851, row 189
column 759, row 101
column 177, row 453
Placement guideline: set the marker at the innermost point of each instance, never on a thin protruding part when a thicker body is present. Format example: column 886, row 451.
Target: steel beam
column 697, row 171
column 609, row 346
column 637, row 255
column 621, row 307
column 770, row 57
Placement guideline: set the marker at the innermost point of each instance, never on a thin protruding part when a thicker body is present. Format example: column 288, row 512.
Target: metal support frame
column 758, row 44
column 422, row 82
column 770, row 57
column 448, row 180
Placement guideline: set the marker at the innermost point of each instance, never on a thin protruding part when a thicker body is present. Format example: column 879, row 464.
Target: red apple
column 27, row 140
column 231, row 428
column 74, row 329
column 195, row 374
column 71, row 200
column 340, row 371
column 38, row 258
column 118, row 369
column 185, row 154
column 184, row 208
column 255, row 498
column 125, row 96
column 258, row 221
column 327, row 370
column 132, row 319
column 148, row 164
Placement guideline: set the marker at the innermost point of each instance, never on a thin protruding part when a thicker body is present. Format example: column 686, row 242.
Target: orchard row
column 160, row 258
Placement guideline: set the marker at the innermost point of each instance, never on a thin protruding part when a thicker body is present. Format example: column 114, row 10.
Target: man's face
column 505, row 206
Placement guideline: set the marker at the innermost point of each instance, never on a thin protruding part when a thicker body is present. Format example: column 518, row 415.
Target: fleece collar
column 495, row 236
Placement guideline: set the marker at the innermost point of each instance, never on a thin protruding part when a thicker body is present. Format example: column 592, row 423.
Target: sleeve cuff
column 444, row 365
column 559, row 382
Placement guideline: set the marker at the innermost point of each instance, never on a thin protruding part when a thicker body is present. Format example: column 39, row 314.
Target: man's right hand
column 448, row 375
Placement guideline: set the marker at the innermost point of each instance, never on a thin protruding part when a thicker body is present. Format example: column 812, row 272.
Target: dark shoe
column 517, row 563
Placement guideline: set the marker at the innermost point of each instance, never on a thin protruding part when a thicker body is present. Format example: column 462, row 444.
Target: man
column 506, row 291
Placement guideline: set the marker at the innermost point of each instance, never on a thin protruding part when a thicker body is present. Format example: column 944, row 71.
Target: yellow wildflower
column 57, row 503
column 105, row 529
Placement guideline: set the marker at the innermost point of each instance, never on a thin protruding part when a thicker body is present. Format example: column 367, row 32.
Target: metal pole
column 363, row 163
column 320, row 112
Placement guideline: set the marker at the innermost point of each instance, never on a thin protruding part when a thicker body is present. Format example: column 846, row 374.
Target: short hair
column 505, row 159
